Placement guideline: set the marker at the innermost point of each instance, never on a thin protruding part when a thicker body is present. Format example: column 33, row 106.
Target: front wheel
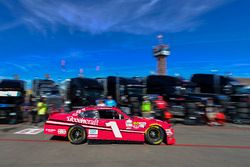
column 77, row 134
column 154, row 135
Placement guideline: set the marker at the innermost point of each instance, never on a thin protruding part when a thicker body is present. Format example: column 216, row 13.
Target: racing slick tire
column 154, row 135
column 77, row 135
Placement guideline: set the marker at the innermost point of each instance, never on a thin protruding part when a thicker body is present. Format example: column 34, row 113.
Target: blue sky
column 118, row 35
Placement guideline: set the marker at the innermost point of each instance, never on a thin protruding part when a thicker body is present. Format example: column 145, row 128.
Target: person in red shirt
column 161, row 108
column 160, row 103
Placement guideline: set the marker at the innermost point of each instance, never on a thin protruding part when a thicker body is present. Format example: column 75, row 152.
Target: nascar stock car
column 108, row 123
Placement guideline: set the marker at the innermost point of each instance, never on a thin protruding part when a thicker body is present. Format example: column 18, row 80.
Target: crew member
column 42, row 110
column 146, row 107
column 160, row 103
column 110, row 102
column 100, row 102
column 211, row 111
column 135, row 106
column 160, row 107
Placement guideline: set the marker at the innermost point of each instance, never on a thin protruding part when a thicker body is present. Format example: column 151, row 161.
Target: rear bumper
column 56, row 130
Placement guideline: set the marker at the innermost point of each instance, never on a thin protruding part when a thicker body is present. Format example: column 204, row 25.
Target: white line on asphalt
column 30, row 131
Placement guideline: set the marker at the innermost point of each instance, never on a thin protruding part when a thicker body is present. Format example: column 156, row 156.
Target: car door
column 116, row 126
column 110, row 125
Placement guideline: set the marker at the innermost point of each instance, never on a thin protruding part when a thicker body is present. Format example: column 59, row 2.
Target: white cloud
column 10, row 25
column 18, row 66
column 131, row 16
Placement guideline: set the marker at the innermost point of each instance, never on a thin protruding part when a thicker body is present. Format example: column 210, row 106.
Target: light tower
column 161, row 52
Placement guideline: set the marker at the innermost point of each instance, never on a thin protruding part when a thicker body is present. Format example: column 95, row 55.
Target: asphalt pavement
column 25, row 145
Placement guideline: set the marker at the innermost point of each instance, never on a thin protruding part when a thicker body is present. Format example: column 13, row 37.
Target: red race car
column 108, row 123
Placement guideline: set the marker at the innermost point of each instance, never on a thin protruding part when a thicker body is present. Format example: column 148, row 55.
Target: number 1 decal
column 114, row 128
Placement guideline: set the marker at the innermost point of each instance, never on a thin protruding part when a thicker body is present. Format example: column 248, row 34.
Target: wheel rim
column 155, row 134
column 76, row 134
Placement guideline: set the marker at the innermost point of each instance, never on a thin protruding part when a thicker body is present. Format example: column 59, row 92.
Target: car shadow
column 102, row 142
column 58, row 138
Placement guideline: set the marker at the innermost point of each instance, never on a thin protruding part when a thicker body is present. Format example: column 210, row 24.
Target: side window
column 89, row 114
column 109, row 114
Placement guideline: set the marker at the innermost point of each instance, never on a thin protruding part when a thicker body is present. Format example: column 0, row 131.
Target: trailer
column 80, row 92
column 48, row 89
column 175, row 91
column 12, row 96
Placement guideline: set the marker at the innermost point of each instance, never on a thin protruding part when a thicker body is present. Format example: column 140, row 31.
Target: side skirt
column 94, row 141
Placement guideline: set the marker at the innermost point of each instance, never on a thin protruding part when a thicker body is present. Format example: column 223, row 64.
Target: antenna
column 160, row 38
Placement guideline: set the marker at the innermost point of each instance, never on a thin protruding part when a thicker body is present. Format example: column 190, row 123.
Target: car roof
column 98, row 107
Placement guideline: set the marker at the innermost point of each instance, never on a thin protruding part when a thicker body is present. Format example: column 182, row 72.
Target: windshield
column 135, row 91
column 44, row 93
column 243, row 90
column 93, row 93
column 49, row 91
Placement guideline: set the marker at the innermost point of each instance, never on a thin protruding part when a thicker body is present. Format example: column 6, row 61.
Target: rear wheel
column 154, row 135
column 77, row 135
